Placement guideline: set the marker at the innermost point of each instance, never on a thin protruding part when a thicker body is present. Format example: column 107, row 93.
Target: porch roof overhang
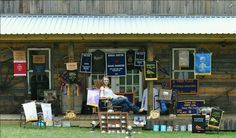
column 119, row 28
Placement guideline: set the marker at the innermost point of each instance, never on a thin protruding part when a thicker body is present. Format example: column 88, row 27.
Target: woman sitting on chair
column 106, row 92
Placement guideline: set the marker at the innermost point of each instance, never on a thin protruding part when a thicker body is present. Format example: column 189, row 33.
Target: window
column 132, row 82
column 183, row 63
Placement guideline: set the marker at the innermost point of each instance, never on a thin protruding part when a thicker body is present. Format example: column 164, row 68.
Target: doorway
column 38, row 72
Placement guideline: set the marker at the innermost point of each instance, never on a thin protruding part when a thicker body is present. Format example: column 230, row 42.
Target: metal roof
column 53, row 24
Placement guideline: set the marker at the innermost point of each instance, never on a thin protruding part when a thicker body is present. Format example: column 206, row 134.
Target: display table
column 115, row 122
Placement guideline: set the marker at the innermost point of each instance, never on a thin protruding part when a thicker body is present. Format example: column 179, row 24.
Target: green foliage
column 13, row 131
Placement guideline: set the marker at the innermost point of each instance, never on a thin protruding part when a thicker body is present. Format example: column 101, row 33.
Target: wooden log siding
column 120, row 7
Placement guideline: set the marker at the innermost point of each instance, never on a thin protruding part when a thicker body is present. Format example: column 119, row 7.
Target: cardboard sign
column 215, row 118
column 189, row 86
column 38, row 59
column 188, row 107
column 198, row 123
column 150, row 70
column 19, row 55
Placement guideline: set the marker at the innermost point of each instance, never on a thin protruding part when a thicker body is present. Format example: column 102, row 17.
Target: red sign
column 20, row 68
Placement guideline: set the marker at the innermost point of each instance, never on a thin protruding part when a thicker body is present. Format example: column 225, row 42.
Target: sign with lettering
column 189, row 86
column 215, row 118
column 139, row 58
column 150, row 70
column 188, row 107
column 86, row 63
column 19, row 68
column 115, row 64
column 198, row 123
column 202, row 64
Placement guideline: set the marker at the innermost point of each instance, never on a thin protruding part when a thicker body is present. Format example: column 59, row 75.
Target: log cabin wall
column 119, row 7
column 218, row 89
column 15, row 92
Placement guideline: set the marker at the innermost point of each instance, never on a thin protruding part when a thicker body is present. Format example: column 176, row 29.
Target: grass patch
column 14, row 131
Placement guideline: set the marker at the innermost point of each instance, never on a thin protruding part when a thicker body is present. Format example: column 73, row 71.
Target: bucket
column 176, row 128
column 163, row 128
column 169, row 128
column 183, row 128
column 155, row 128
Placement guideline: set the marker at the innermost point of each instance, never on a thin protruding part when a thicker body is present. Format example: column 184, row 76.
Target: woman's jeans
column 125, row 103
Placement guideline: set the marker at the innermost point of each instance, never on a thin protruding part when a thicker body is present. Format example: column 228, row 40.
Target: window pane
column 122, row 80
column 129, row 79
column 136, row 80
column 129, row 89
column 122, row 88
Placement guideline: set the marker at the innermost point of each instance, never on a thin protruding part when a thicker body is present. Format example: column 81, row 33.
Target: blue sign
column 116, row 64
column 189, row 107
column 185, row 86
column 86, row 63
column 38, row 68
column 139, row 59
column 202, row 64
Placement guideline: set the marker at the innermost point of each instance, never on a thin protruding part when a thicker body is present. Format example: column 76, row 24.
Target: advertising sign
column 202, row 64
column 188, row 107
column 189, row 86
column 215, row 118
column 116, row 64
column 139, row 58
column 198, row 123
column 20, row 68
column 86, row 63
column 150, row 70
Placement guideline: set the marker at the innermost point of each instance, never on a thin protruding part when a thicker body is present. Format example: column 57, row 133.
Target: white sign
column 30, row 111
column 47, row 113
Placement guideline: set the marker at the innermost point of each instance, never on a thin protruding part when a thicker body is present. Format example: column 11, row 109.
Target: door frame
column 46, row 70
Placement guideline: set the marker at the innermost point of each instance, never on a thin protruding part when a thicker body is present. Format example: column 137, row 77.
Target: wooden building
column 161, row 37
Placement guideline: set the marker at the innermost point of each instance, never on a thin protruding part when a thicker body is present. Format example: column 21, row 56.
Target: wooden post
column 71, row 59
column 150, row 57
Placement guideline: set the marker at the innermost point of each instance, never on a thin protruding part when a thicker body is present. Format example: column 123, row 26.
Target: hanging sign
column 188, row 107
column 198, row 123
column 115, row 64
column 38, row 59
column 139, row 58
column 20, row 68
column 202, row 64
column 19, row 55
column 71, row 66
column 86, row 63
column 189, row 86
column 215, row 118
column 150, row 70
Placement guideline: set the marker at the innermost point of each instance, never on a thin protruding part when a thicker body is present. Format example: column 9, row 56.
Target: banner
column 86, row 63
column 116, row 64
column 71, row 66
column 139, row 58
column 202, row 64
column 93, row 96
column 47, row 113
column 30, row 111
column 19, row 68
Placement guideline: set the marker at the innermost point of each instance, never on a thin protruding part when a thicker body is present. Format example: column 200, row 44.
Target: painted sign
column 189, row 86
column 198, row 123
column 215, row 118
column 19, row 68
column 86, row 63
column 116, row 64
column 139, row 59
column 202, row 64
column 150, row 70
column 188, row 107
